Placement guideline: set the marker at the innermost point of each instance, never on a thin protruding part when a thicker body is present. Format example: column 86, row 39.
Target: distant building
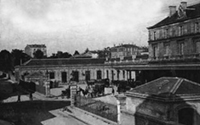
column 30, row 49
column 89, row 54
column 81, row 69
column 125, row 52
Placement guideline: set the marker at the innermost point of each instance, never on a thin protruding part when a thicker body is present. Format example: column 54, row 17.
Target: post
column 73, row 89
column 118, row 112
column 47, row 88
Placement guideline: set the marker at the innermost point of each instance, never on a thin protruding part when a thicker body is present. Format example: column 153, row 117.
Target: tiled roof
column 166, row 87
column 63, row 61
column 192, row 12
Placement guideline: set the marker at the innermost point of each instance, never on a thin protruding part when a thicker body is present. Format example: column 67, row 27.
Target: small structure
column 164, row 101
column 32, row 48
column 41, row 81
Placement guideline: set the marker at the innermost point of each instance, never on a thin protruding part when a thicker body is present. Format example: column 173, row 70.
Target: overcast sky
column 69, row 25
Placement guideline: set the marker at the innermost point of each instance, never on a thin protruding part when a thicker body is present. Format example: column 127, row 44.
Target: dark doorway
column 52, row 75
column 107, row 72
column 112, row 72
column 186, row 116
column 64, row 76
column 99, row 74
column 87, row 75
column 118, row 72
column 76, row 76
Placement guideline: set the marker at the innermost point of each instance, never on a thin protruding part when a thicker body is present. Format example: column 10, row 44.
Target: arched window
column 186, row 116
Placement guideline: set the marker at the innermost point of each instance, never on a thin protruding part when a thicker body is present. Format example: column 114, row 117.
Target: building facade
column 178, row 35
column 164, row 101
column 125, row 51
column 77, row 69
column 173, row 47
column 32, row 48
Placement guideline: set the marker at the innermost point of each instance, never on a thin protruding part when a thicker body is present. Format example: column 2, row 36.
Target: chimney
column 184, row 5
column 172, row 10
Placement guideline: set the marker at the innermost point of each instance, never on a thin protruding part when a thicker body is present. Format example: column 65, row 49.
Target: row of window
column 75, row 75
column 180, row 48
column 125, row 49
column 174, row 31
column 88, row 75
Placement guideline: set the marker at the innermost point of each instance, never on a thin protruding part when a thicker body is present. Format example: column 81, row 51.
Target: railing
column 188, row 57
column 141, row 61
column 99, row 108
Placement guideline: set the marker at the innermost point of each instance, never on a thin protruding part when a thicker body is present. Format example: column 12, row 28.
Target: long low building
column 80, row 69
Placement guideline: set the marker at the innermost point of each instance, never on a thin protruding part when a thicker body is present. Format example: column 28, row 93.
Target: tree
column 19, row 57
column 6, row 62
column 76, row 53
column 60, row 54
column 66, row 55
column 87, row 50
column 38, row 54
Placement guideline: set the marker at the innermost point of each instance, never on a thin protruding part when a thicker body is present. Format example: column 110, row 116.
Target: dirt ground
column 29, row 112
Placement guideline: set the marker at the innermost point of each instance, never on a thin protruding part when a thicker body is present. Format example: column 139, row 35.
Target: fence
column 99, row 108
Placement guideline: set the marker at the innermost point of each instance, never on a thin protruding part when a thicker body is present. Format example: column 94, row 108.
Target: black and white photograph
column 99, row 62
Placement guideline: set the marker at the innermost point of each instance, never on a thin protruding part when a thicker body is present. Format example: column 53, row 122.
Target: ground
column 40, row 111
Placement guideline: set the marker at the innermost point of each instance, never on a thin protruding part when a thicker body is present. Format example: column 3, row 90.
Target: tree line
column 8, row 60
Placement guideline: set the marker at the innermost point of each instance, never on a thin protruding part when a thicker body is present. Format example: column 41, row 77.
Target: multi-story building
column 32, row 48
column 125, row 51
column 174, row 47
column 178, row 35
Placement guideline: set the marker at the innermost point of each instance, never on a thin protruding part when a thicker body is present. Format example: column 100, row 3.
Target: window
column 64, row 76
column 75, row 76
column 121, row 49
column 154, row 35
column 166, row 49
column 87, row 75
column 186, row 116
column 180, row 30
column 51, row 75
column 112, row 72
column 181, row 48
column 99, row 74
column 118, row 72
column 196, row 27
column 150, row 36
column 166, row 33
column 197, row 45
column 107, row 72
column 173, row 31
column 123, row 74
column 155, row 50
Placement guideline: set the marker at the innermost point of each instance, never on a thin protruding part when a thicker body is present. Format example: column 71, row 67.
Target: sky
column 69, row 25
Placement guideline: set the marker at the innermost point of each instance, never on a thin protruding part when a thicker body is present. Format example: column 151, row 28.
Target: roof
column 35, row 75
column 125, row 45
column 192, row 12
column 36, row 45
column 168, row 88
column 63, row 61
column 86, row 55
